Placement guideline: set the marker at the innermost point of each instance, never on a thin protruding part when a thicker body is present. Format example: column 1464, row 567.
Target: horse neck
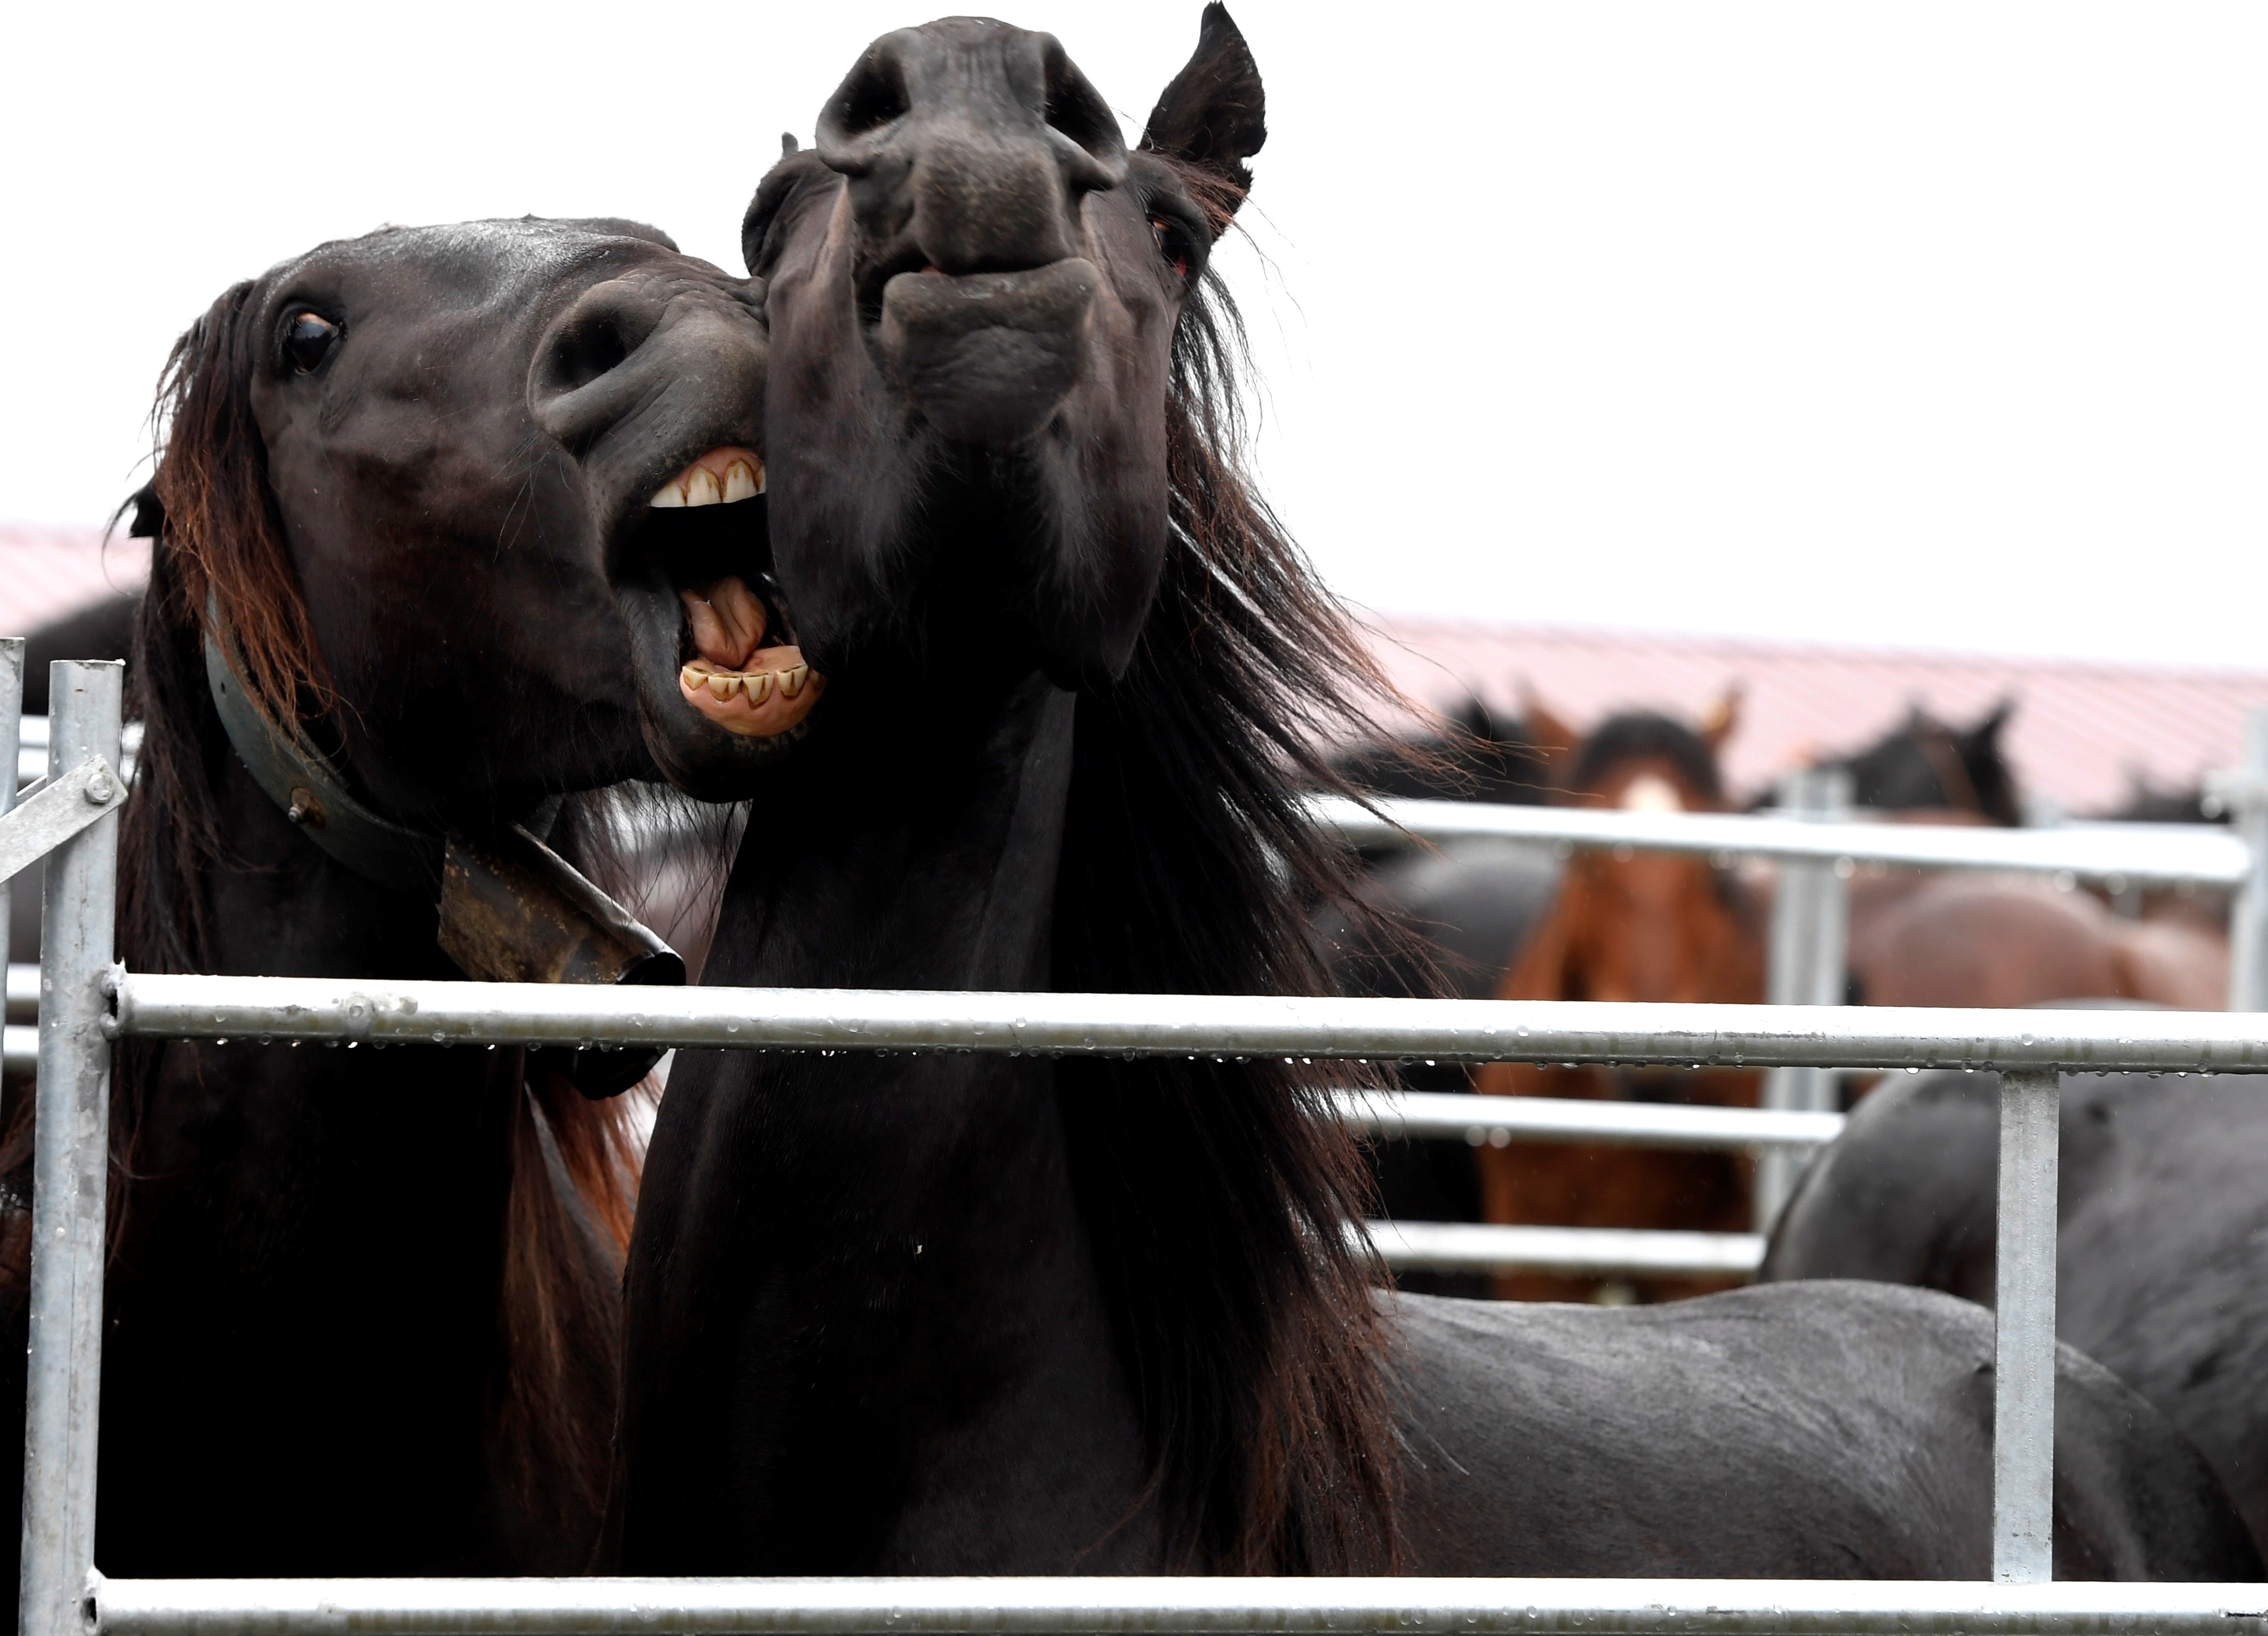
column 351, row 1250
column 901, row 1266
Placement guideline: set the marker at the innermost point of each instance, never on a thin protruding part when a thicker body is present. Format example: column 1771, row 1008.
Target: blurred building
column 2084, row 735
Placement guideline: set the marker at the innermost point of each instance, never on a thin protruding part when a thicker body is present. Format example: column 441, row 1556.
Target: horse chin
column 987, row 357
column 720, row 750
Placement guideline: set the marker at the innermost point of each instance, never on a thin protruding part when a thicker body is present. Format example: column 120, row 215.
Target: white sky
column 1908, row 323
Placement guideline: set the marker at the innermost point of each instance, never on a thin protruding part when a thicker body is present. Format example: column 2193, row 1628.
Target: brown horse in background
column 1631, row 927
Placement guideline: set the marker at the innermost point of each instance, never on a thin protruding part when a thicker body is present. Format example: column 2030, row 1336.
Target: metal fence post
column 70, row 1169
column 2247, row 798
column 1811, row 932
column 12, row 738
column 2023, row 1360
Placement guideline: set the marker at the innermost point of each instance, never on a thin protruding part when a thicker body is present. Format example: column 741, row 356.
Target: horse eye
column 309, row 340
column 1172, row 245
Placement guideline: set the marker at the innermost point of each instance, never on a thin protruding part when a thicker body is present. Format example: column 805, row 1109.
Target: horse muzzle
column 987, row 357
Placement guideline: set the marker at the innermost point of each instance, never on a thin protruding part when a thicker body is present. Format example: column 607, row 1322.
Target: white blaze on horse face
column 1651, row 792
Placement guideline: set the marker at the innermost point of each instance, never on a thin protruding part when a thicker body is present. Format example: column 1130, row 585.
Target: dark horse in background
column 958, row 1314
column 2163, row 1251
column 1927, row 765
column 1959, row 938
column 1644, row 926
column 361, row 1309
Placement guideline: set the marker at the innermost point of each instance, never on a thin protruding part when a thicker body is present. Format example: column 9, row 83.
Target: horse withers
column 361, row 1307
column 953, row 1314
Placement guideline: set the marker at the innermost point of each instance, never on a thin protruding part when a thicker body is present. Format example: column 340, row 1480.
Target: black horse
column 2163, row 1242
column 1929, row 764
column 970, row 1315
column 361, row 1310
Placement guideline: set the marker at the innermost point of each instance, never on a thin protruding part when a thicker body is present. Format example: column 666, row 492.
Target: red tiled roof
column 45, row 573
column 2081, row 731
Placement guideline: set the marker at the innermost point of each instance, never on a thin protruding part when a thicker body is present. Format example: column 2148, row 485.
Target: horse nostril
column 1075, row 109
column 588, row 348
column 874, row 96
column 586, row 369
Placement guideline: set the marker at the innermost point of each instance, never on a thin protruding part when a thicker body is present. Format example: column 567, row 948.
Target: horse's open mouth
column 695, row 578
column 751, row 686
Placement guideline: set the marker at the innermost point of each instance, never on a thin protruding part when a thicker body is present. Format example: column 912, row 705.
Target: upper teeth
column 703, row 483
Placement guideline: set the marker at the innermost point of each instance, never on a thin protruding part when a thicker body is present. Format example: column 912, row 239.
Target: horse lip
column 987, row 357
column 1053, row 296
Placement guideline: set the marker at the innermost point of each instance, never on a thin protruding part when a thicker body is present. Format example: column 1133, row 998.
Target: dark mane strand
column 1215, row 1198
column 220, row 519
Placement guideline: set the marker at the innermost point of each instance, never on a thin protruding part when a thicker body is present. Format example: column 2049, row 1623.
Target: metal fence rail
column 1160, row 1607
column 1498, row 1121
column 363, row 1012
column 86, row 1002
column 1576, row 1252
column 2168, row 854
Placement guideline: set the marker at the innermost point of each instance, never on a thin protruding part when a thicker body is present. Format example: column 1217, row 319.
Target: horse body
column 2162, row 1244
column 1954, row 940
column 882, row 1344
column 981, row 1314
column 360, row 1308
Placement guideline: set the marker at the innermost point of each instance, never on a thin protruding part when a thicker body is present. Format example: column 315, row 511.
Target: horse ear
column 1721, row 719
column 148, row 513
column 1553, row 738
column 1214, row 114
column 1988, row 729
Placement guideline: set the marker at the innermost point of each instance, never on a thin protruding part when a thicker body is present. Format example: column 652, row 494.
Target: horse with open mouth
column 361, row 1310
column 953, row 1314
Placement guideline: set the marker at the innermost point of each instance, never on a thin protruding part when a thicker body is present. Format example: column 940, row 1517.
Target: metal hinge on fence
column 56, row 809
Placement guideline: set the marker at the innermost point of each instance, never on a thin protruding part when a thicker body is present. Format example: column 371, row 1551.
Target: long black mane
column 1215, row 1198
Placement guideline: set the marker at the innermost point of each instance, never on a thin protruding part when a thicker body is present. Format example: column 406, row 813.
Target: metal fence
column 1818, row 844
column 87, row 1001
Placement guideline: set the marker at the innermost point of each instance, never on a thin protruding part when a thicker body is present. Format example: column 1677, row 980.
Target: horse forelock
column 220, row 522
column 1641, row 736
column 1247, row 1325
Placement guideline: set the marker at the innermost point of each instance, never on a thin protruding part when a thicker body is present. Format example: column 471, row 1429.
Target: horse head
column 1929, row 765
column 1633, row 926
column 976, row 292
column 402, row 475
column 1630, row 926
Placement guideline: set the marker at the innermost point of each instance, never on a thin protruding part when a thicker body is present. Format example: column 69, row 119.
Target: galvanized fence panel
column 1166, row 1606
column 86, row 1001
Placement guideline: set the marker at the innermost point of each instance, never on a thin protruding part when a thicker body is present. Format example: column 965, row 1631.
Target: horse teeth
column 791, row 680
column 690, row 678
column 720, row 477
column 723, row 685
column 759, row 687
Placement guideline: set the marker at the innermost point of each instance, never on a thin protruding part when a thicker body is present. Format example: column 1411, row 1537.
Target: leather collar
column 310, row 790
